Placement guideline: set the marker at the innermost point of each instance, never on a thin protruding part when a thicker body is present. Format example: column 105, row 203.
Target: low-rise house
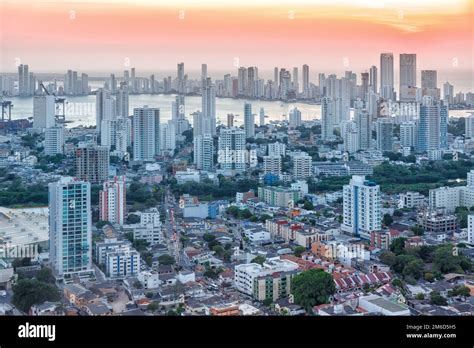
column 380, row 305
column 78, row 295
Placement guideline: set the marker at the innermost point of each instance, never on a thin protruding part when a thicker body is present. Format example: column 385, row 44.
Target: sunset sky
column 90, row 36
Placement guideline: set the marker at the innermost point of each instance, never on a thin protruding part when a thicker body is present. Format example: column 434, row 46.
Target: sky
column 330, row 35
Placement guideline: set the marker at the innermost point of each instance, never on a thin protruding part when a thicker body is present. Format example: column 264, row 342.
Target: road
column 170, row 228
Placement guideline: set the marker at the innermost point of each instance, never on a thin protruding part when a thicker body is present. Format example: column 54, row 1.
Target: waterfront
column 80, row 110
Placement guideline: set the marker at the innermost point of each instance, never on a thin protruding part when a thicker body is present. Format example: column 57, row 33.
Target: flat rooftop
column 24, row 226
column 388, row 305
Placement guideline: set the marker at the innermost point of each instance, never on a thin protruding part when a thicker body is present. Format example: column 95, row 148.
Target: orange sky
column 102, row 35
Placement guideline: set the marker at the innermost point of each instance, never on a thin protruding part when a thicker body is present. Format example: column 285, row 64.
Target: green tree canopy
column 312, row 287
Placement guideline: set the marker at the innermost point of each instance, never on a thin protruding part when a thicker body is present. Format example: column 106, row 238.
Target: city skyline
column 264, row 35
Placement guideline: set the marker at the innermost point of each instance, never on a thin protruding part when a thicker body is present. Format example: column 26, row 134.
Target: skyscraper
column 168, row 137
column 249, row 121
column 232, row 149
column 327, row 118
column 23, row 80
column 262, row 117
column 92, row 163
column 146, row 133
column 363, row 121
column 429, row 83
column 407, row 71
column 386, row 76
column 121, row 101
column 204, row 152
column 104, row 106
column 306, row 92
column 470, row 126
column 432, row 126
column 44, row 111
column 272, row 165
column 373, row 78
column 54, row 140
column 70, row 227
column 209, row 104
column 181, row 79
column 384, row 134
column 296, row 80
column 295, row 118
column 112, row 201
column 361, row 207
column 408, row 134
column 302, row 166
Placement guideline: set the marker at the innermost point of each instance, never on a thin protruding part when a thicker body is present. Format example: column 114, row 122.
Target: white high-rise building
column 54, row 140
column 272, row 165
column 470, row 178
column 328, row 118
column 249, row 121
column 470, row 126
column 262, row 117
column 168, row 137
column 204, row 152
column 361, row 207
column 302, row 166
column 295, row 118
column 121, row 101
column 201, row 124
column 112, row 201
column 232, row 150
column 408, row 134
column 70, row 227
column 386, row 76
column 350, row 135
column 470, row 229
column 277, row 149
column 104, row 107
column 146, row 133
column 363, row 121
column 44, row 112
column 108, row 133
column 209, row 104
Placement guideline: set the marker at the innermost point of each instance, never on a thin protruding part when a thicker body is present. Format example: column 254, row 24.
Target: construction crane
column 60, row 105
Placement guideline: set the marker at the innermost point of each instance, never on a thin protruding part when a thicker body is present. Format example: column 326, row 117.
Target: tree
column 387, row 220
column 414, row 269
column 299, row 250
column 420, row 296
column 166, row 260
column 445, row 262
column 133, row 219
column 417, row 230
column 398, row 246
column 153, row 306
column 45, row 275
column 27, row 292
column 208, row 237
column 460, row 290
column 388, row 258
column 429, row 277
column 437, row 299
column 312, row 287
column 259, row 259
column 267, row 302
